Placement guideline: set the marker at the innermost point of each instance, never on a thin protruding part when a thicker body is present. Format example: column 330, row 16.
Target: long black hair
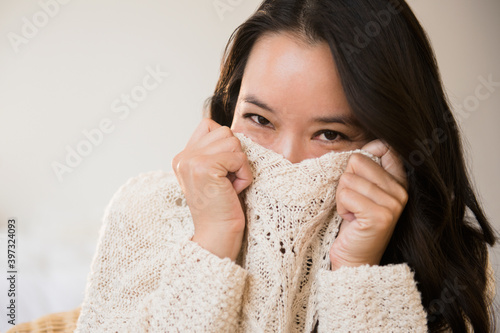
column 390, row 77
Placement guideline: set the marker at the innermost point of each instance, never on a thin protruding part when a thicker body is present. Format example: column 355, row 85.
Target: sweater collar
column 265, row 161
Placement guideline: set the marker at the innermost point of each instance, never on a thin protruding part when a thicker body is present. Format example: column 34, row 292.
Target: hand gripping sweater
column 148, row 276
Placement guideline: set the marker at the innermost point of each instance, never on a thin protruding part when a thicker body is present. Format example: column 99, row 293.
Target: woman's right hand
column 212, row 170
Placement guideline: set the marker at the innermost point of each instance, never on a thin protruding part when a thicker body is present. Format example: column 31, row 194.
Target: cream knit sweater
column 147, row 276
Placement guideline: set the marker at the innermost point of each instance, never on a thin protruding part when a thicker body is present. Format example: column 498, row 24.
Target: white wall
column 66, row 76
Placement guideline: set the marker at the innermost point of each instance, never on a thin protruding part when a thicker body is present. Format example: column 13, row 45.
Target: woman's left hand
column 370, row 199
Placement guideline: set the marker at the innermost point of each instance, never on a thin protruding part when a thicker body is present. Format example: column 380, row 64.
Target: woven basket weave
column 52, row 323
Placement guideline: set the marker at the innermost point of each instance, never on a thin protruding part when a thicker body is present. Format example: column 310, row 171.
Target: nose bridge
column 290, row 146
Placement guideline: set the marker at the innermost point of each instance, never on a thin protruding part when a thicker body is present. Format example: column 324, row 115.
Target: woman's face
column 291, row 100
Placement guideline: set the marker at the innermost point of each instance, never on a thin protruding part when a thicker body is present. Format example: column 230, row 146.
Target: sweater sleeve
column 198, row 292
column 369, row 299
column 147, row 276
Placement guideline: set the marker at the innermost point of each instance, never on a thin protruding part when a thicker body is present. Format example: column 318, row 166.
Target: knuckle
column 347, row 177
column 344, row 182
column 355, row 159
column 386, row 216
column 404, row 196
column 242, row 157
column 393, row 205
column 226, row 131
column 175, row 162
column 343, row 193
column 181, row 166
column 234, row 143
column 373, row 188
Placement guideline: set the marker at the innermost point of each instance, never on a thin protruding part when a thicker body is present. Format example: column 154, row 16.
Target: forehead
column 288, row 73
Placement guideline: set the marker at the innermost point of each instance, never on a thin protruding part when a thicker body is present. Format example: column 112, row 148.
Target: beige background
column 66, row 77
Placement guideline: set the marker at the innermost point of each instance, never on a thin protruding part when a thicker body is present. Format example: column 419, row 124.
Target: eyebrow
column 342, row 119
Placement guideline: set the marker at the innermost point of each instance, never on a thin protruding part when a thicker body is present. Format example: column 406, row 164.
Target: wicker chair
column 61, row 322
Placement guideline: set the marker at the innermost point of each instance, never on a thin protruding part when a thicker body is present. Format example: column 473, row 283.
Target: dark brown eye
column 259, row 119
column 330, row 135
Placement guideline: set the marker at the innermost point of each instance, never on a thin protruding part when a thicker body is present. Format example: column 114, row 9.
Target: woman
column 302, row 79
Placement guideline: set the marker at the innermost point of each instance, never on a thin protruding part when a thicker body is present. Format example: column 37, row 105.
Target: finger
column 364, row 209
column 205, row 140
column 365, row 167
column 352, row 204
column 220, row 133
column 227, row 144
column 206, row 125
column 372, row 191
column 389, row 159
column 237, row 164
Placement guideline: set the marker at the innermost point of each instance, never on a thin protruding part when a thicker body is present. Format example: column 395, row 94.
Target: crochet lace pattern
column 291, row 224
column 148, row 276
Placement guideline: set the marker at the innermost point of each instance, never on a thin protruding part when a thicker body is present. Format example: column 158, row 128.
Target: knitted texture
column 291, row 224
column 145, row 259
column 365, row 304
column 147, row 276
